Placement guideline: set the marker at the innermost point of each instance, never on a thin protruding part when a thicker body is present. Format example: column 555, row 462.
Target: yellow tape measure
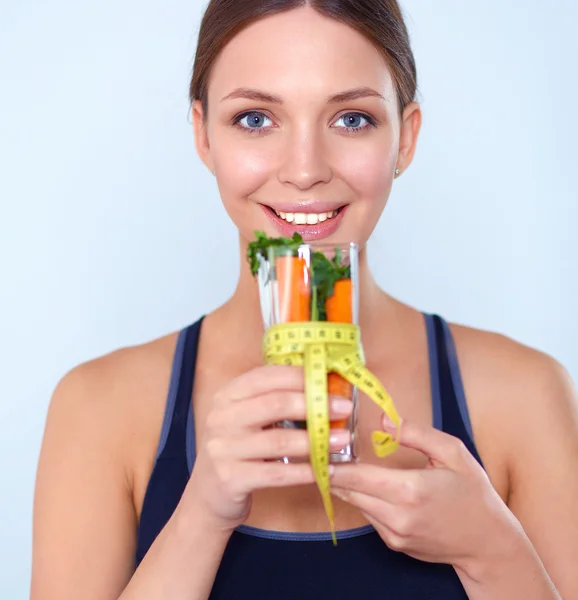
column 323, row 347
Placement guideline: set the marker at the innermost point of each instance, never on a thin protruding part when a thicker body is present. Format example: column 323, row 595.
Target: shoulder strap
column 174, row 432
column 169, row 477
column 454, row 409
column 434, row 372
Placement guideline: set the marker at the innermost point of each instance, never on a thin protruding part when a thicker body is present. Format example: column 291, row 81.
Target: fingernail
column 341, row 406
column 387, row 424
column 339, row 438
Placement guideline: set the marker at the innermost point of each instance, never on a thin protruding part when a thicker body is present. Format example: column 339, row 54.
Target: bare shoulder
column 117, row 401
column 504, row 368
column 524, row 410
column 122, row 382
column 516, row 396
column 99, row 444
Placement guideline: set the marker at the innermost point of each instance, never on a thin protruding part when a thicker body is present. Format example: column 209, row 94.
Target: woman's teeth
column 306, row 218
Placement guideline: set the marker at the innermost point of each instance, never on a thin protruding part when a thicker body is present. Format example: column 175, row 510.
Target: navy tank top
column 272, row 565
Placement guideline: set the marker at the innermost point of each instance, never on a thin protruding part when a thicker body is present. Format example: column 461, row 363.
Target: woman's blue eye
column 354, row 121
column 252, row 120
column 258, row 122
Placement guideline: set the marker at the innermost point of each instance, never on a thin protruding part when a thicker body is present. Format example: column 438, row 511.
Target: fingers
column 442, row 448
column 369, row 505
column 397, row 486
column 383, row 516
column 271, row 444
column 276, row 406
column 238, row 479
column 267, row 395
column 262, row 380
column 268, row 475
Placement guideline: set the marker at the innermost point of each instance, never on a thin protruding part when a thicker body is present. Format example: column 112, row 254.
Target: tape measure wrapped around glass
column 323, row 347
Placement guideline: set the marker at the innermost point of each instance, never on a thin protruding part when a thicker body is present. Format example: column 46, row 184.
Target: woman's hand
column 237, row 450
column 446, row 513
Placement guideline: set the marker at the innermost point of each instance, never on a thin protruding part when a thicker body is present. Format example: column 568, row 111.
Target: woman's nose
column 305, row 160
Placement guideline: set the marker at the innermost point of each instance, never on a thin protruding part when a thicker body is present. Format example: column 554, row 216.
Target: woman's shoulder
column 518, row 397
column 115, row 404
column 98, row 449
column 501, row 366
column 114, row 379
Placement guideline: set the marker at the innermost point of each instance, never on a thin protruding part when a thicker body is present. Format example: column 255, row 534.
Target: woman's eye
column 355, row 121
column 258, row 122
column 254, row 121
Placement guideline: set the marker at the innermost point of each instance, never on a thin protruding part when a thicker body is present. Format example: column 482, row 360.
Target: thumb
column 441, row 448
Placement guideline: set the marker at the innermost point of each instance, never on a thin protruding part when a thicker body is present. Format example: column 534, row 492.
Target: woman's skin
column 430, row 499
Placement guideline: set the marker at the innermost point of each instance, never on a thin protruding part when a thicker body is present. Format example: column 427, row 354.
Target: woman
column 308, row 110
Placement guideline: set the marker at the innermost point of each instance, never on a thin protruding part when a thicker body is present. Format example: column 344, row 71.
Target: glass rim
column 323, row 246
column 307, row 249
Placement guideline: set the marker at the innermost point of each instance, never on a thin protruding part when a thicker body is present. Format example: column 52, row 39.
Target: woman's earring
column 213, row 172
column 397, row 172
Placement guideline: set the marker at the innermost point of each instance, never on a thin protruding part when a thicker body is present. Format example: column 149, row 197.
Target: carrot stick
column 338, row 306
column 294, row 289
column 294, row 294
column 339, row 310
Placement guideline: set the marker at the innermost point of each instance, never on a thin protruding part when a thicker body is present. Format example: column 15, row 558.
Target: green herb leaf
column 262, row 244
column 324, row 274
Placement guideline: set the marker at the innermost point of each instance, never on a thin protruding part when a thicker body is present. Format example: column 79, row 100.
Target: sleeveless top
column 272, row 565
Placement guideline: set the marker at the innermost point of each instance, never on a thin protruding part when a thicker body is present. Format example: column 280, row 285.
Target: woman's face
column 303, row 129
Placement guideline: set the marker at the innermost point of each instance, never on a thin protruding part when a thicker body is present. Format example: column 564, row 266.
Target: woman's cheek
column 245, row 169
column 367, row 168
column 367, row 172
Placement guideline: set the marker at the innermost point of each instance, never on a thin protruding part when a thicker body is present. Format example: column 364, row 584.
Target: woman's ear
column 409, row 132
column 201, row 134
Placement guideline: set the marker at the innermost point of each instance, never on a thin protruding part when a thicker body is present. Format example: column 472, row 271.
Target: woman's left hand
column 446, row 513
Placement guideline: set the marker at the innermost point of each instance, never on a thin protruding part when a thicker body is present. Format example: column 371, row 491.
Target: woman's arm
column 84, row 517
column 450, row 512
column 534, row 408
column 513, row 571
column 85, row 521
column 182, row 562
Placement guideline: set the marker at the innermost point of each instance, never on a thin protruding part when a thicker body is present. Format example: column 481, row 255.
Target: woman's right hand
column 237, row 449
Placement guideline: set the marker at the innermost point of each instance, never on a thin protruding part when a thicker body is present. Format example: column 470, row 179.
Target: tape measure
column 323, row 347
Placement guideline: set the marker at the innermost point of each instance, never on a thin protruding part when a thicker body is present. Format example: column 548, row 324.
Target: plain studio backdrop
column 112, row 232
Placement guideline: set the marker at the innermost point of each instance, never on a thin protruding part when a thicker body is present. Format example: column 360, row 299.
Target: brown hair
column 380, row 21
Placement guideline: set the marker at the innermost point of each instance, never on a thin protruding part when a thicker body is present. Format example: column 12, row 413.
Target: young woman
column 151, row 487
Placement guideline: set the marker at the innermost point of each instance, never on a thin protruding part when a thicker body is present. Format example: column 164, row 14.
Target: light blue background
column 106, row 213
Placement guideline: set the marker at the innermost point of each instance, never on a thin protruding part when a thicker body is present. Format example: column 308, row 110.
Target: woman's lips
column 308, row 232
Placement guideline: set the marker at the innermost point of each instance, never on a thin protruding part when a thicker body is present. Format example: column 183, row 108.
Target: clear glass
column 288, row 292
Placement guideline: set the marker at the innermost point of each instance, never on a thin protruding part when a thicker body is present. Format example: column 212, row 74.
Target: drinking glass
column 292, row 288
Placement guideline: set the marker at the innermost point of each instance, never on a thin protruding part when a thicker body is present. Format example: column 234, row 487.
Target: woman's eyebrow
column 354, row 94
column 259, row 96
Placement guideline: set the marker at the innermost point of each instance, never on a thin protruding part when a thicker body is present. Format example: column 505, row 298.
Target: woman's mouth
column 310, row 225
column 305, row 218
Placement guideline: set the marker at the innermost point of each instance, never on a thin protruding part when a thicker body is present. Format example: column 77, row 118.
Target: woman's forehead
column 299, row 54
